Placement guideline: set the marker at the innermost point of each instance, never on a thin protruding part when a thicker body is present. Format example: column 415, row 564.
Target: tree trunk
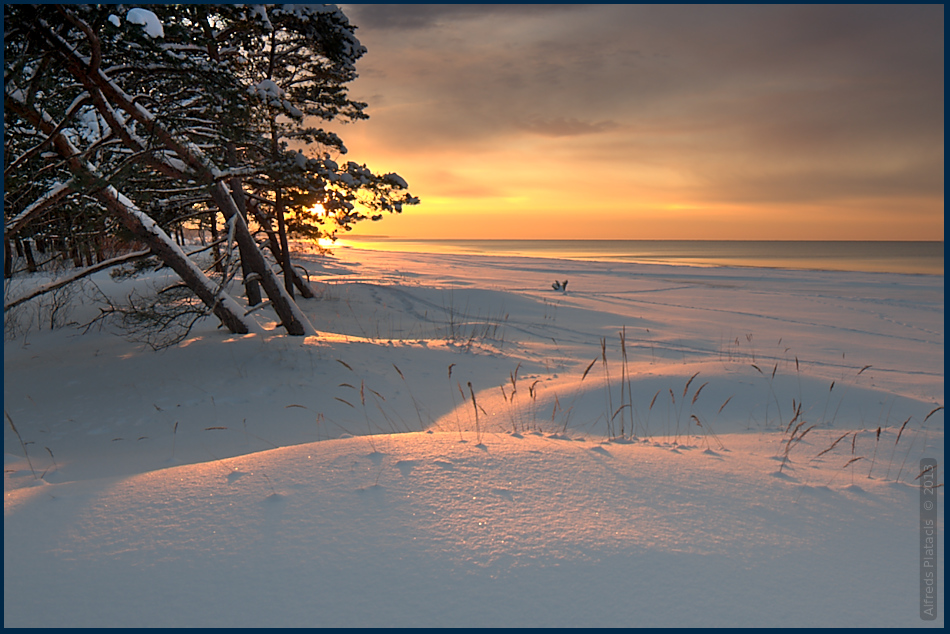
column 284, row 257
column 86, row 252
column 291, row 317
column 272, row 239
column 215, row 250
column 251, row 287
column 74, row 253
column 7, row 259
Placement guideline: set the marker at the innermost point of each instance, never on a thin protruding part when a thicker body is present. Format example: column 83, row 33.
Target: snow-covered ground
column 465, row 446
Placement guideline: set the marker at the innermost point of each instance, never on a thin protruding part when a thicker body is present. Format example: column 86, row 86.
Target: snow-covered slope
column 440, row 454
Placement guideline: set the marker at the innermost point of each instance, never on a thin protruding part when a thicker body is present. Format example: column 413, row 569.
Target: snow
column 147, row 19
column 345, row 479
column 267, row 88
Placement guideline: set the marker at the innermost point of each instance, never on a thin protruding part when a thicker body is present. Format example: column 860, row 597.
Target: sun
column 318, row 211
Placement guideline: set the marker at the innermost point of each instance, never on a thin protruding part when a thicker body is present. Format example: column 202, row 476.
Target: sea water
column 872, row 257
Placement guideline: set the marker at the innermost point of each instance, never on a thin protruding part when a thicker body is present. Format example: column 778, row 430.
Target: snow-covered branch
column 77, row 275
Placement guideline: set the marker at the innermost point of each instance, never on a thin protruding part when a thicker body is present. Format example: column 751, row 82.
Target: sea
column 920, row 258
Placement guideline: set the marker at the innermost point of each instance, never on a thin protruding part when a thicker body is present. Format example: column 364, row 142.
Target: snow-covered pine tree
column 45, row 66
column 183, row 121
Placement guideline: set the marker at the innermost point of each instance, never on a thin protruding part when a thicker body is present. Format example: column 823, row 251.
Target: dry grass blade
column 478, row 433
column 902, row 430
column 798, row 412
column 531, row 391
column 877, row 441
column 707, row 429
column 792, row 439
column 723, row 406
column 926, row 470
column 840, row 438
column 894, row 448
column 696, row 395
column 55, row 466
column 932, row 412
column 853, row 460
column 22, row 445
column 399, row 371
column 758, row 368
column 584, row 376
column 808, row 429
column 862, row 370
column 345, row 365
column 686, row 389
column 619, row 409
column 344, row 402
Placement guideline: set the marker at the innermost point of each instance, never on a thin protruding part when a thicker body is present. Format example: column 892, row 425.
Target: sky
column 748, row 122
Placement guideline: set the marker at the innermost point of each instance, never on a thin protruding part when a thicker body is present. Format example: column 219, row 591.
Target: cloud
column 400, row 17
column 754, row 103
column 561, row 127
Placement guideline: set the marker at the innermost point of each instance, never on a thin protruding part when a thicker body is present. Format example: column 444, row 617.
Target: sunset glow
column 753, row 122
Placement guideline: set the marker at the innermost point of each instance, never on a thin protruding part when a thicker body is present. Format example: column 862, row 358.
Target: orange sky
column 655, row 122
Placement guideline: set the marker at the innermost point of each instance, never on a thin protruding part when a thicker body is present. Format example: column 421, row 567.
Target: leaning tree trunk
column 274, row 241
column 284, row 257
column 251, row 287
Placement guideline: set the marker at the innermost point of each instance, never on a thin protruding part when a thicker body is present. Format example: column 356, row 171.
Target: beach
column 467, row 443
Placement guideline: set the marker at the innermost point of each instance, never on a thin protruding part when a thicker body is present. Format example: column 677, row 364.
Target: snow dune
column 441, row 454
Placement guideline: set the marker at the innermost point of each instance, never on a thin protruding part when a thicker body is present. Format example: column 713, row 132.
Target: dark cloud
column 421, row 16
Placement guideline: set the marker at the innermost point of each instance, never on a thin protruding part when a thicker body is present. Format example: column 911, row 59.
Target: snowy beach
column 464, row 445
